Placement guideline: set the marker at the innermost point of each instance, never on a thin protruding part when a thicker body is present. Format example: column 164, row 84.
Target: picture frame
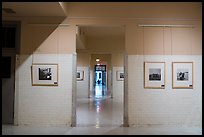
column 182, row 75
column 80, row 75
column 44, row 74
column 120, row 75
column 154, row 75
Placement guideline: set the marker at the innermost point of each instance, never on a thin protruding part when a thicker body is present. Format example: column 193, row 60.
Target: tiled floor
column 99, row 116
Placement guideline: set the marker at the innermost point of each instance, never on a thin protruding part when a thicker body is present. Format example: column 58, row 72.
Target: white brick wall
column 44, row 105
column 118, row 86
column 82, row 85
column 163, row 106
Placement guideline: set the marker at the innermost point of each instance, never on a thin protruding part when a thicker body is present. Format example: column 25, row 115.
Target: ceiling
column 103, row 31
column 31, row 9
column 102, row 9
column 124, row 10
column 186, row 10
column 58, row 9
column 107, row 9
column 101, row 37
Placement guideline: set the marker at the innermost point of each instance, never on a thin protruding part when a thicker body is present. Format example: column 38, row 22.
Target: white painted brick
column 163, row 106
column 82, row 85
column 45, row 105
column 118, row 86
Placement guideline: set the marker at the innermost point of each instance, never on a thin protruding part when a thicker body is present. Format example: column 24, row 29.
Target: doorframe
column 125, row 122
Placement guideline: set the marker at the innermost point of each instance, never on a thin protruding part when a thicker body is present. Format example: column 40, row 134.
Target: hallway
column 99, row 112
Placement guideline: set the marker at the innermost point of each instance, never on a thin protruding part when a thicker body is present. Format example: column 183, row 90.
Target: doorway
column 100, row 86
column 100, row 55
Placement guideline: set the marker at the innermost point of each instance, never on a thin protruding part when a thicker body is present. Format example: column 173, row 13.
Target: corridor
column 99, row 112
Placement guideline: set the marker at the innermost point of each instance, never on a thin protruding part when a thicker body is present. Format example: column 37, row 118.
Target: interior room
column 102, row 68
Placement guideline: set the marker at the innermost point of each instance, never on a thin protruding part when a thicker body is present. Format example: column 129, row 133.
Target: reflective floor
column 99, row 115
column 99, row 112
column 100, row 91
column 113, row 130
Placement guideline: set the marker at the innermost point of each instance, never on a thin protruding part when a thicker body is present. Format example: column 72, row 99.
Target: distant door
column 100, row 80
column 8, row 88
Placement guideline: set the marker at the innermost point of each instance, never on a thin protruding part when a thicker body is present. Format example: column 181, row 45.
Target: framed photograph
column 182, row 74
column 154, row 74
column 45, row 74
column 80, row 75
column 120, row 75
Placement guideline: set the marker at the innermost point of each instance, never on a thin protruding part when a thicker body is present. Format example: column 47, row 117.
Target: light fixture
column 97, row 60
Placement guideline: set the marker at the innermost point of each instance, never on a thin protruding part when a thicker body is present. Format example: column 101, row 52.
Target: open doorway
column 100, row 55
column 100, row 86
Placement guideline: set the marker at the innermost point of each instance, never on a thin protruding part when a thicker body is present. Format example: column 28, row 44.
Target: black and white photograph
column 119, row 75
column 45, row 74
column 182, row 73
column 80, row 75
column 154, row 75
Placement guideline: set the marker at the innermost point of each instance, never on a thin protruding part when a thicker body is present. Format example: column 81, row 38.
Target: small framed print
column 154, row 75
column 182, row 74
column 120, row 75
column 80, row 75
column 45, row 74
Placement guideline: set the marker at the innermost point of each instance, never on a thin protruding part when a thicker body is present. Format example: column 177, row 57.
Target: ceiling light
column 97, row 60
